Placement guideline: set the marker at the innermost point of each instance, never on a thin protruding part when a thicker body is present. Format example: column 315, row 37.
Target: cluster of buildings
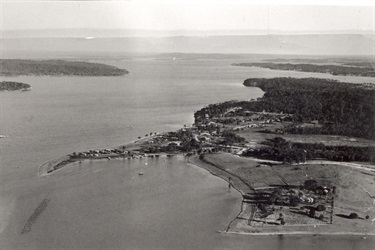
column 99, row 153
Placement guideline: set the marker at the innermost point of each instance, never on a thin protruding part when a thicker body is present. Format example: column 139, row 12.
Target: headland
column 14, row 86
column 22, row 67
column 302, row 162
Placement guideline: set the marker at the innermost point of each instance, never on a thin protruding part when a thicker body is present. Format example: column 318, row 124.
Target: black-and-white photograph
column 226, row 124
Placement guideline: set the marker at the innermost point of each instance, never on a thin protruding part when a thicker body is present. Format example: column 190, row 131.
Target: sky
column 189, row 15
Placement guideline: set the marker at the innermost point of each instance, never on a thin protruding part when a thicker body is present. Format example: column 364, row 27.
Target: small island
column 13, row 86
column 20, row 67
column 301, row 156
column 347, row 69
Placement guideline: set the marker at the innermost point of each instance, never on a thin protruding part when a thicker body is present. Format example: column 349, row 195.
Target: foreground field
column 354, row 193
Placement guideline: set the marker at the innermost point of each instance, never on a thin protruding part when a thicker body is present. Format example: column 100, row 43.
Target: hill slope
column 14, row 67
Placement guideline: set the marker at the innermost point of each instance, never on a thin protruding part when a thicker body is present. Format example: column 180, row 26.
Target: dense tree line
column 205, row 114
column 358, row 61
column 281, row 150
column 357, row 69
column 11, row 86
column 229, row 137
column 340, row 108
column 16, row 67
column 360, row 64
column 188, row 142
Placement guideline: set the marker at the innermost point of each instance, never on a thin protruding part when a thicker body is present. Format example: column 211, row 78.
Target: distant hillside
column 338, row 44
column 16, row 67
column 363, row 69
column 12, row 86
column 343, row 108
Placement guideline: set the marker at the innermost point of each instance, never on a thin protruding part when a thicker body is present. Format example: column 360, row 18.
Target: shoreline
column 44, row 168
column 249, row 220
column 239, row 224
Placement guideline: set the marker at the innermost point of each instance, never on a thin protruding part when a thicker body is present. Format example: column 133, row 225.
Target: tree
column 275, row 195
column 320, row 208
column 171, row 147
column 282, row 221
column 294, row 201
column 310, row 184
column 262, row 208
column 353, row 216
column 312, row 212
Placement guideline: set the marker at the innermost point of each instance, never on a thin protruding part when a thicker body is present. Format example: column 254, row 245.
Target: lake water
column 106, row 204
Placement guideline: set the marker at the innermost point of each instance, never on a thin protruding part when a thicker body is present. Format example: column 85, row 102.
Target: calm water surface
column 106, row 204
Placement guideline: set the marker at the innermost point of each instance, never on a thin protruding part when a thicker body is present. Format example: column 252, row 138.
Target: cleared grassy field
column 255, row 174
column 355, row 190
column 253, row 135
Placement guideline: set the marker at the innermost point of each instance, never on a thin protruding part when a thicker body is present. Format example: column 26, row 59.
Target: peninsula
column 13, row 86
column 354, row 69
column 301, row 156
column 20, row 67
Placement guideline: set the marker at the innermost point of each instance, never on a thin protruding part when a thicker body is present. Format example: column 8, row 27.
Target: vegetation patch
column 19, row 67
column 354, row 69
column 280, row 149
column 330, row 107
column 13, row 86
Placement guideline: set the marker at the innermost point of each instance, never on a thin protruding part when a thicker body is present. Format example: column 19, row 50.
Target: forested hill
column 17, row 67
column 339, row 108
column 12, row 86
column 299, row 84
column 342, row 108
column 356, row 69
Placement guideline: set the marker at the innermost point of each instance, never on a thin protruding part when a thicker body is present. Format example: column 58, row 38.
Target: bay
column 99, row 204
